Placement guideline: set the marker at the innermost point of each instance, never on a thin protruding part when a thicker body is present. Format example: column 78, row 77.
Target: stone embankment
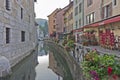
column 75, row 69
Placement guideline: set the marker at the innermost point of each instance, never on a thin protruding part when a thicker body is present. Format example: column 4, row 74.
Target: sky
column 45, row 7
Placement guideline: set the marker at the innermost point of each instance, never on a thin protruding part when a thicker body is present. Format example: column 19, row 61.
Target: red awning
column 111, row 20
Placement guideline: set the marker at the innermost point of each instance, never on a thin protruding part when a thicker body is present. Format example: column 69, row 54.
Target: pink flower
column 114, row 77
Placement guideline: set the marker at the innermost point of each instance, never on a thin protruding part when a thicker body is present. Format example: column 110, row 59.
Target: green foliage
column 71, row 37
column 70, row 43
column 64, row 42
column 99, row 65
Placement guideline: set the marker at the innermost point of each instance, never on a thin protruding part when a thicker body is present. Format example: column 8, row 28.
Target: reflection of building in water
column 41, row 49
column 54, row 66
column 25, row 70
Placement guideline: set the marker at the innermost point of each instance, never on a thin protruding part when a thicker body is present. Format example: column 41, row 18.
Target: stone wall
column 12, row 19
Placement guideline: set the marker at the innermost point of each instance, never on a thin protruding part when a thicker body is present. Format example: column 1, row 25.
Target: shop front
column 107, row 32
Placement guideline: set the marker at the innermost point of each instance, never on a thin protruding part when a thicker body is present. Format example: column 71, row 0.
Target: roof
column 69, row 6
column 56, row 10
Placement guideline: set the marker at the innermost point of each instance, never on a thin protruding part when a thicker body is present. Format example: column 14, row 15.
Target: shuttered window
column 22, row 36
column 90, row 18
column 76, row 10
column 21, row 13
column 7, row 5
column 80, row 7
column 7, row 35
column 107, row 11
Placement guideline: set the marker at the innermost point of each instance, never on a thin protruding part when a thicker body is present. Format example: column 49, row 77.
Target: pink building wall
column 60, row 21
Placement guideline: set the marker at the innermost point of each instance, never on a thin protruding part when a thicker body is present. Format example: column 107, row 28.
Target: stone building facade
column 17, row 29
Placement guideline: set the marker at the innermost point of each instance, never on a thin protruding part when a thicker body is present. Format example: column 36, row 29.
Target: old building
column 52, row 23
column 68, row 18
column 56, row 22
column 103, row 19
column 92, row 14
column 17, row 29
column 78, row 17
column 110, row 24
column 60, row 22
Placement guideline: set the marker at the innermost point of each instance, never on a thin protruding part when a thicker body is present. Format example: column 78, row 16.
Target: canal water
column 42, row 64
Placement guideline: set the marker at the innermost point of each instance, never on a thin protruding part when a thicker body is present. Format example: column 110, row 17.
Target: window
column 80, row 6
column 76, row 1
column 7, row 35
column 76, row 11
column 79, row 22
column 90, row 18
column 76, row 24
column 107, row 11
column 54, row 27
column 114, row 2
column 70, row 16
column 64, row 29
column 7, row 5
column 89, row 2
column 22, row 36
column 21, row 13
column 87, row 19
column 29, row 18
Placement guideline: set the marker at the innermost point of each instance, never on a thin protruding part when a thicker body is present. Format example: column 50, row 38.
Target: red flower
column 109, row 70
column 114, row 77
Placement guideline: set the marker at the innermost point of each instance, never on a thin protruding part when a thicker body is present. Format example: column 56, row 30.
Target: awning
column 108, row 21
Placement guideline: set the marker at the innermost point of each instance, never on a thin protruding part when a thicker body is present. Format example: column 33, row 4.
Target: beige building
column 91, row 11
column 111, row 15
column 104, row 19
column 92, row 14
column 17, row 29
column 68, row 18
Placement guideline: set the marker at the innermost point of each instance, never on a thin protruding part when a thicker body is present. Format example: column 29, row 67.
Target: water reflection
column 25, row 70
column 43, row 69
column 54, row 66
column 47, row 65
column 41, row 49
column 58, row 63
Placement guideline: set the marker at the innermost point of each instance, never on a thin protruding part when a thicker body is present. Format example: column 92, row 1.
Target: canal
column 43, row 64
